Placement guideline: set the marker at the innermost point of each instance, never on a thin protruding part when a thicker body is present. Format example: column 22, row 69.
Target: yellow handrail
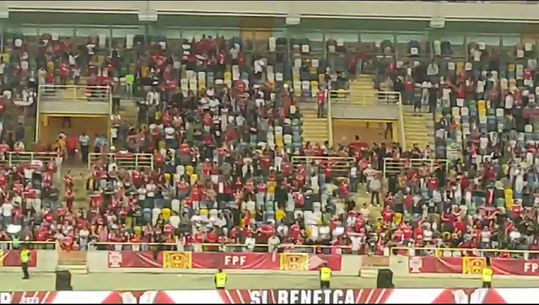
column 38, row 117
column 442, row 252
column 218, row 245
column 401, row 122
column 330, row 120
column 30, row 244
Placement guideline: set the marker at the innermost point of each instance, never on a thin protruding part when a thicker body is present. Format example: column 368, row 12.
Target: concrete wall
column 380, row 112
column 399, row 265
column 77, row 107
column 47, row 260
column 509, row 12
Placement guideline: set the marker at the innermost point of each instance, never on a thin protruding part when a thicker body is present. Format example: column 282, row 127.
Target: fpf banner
column 294, row 261
column 215, row 260
column 177, row 260
column 472, row 265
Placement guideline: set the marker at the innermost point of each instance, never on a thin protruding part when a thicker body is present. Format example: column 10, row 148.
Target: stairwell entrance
column 374, row 131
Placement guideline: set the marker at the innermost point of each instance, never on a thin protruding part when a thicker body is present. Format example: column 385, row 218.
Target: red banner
column 141, row 259
column 473, row 265
column 432, row 264
column 216, row 260
column 508, row 266
column 12, row 258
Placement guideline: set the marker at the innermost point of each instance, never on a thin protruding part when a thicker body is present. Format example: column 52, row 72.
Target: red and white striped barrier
column 276, row 296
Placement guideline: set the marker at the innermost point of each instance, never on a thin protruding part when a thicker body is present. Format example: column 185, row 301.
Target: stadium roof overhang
column 495, row 11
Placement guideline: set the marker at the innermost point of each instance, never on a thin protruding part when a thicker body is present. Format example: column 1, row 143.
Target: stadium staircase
column 418, row 128
column 314, row 129
column 362, row 90
column 129, row 111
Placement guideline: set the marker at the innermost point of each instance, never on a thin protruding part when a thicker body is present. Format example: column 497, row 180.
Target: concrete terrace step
column 361, row 86
column 73, row 269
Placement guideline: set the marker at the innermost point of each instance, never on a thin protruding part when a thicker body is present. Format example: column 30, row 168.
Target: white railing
column 127, row 161
column 365, row 98
column 59, row 93
column 340, row 165
column 388, row 97
column 396, row 166
column 15, row 158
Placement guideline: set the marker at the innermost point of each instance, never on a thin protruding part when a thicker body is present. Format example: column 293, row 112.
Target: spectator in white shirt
column 485, row 238
column 273, row 243
column 7, row 213
column 514, row 236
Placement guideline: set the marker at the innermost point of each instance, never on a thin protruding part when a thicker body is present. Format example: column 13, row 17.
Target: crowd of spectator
column 487, row 128
column 221, row 128
column 223, row 125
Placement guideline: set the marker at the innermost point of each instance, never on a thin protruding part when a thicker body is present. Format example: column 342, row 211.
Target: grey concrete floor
column 150, row 281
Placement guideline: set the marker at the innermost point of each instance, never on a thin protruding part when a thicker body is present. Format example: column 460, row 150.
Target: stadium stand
column 216, row 153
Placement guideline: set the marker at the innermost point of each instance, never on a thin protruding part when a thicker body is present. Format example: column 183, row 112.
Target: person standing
column 322, row 98
column 389, row 130
column 26, row 257
column 374, row 186
column 71, row 146
column 84, row 141
column 425, row 96
column 59, row 160
column 129, row 81
column 487, row 274
column 220, row 279
column 325, row 276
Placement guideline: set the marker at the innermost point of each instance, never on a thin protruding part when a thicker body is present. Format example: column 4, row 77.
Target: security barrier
column 13, row 245
column 216, row 247
column 15, row 158
column 127, row 161
column 396, row 166
column 278, row 296
column 462, row 252
column 340, row 165
column 77, row 93
column 364, row 99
